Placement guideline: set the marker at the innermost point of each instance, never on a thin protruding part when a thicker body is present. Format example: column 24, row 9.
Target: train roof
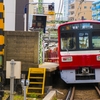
column 80, row 21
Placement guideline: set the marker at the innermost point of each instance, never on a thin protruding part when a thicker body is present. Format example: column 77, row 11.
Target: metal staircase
column 36, row 77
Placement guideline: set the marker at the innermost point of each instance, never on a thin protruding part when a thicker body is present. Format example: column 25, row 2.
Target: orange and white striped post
column 1, row 46
column 1, row 34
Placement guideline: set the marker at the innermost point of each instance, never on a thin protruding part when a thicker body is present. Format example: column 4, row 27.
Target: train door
column 83, row 40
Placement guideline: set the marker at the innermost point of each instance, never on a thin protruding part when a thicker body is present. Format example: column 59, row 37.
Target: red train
column 79, row 51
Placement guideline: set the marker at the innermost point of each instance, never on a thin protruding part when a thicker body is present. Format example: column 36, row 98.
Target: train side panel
column 75, row 61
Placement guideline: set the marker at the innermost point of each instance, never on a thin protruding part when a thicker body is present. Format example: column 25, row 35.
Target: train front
column 79, row 52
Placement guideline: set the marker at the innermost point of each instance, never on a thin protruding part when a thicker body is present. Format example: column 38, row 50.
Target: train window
column 96, row 40
column 96, row 26
column 75, row 26
column 83, row 40
column 86, row 26
column 68, row 41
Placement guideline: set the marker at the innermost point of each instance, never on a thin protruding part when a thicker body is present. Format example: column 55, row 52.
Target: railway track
column 82, row 92
column 77, row 92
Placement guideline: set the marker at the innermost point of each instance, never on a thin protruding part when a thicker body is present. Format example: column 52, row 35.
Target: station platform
column 50, row 66
column 51, row 72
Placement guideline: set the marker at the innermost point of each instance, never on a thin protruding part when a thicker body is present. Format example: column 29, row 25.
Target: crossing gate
column 36, row 77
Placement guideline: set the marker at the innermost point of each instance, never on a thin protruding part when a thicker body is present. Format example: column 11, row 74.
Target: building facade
column 65, row 10
column 96, row 10
column 79, row 10
column 14, row 12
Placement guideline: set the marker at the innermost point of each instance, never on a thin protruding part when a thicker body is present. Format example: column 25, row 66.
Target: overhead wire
column 82, row 12
column 52, row 28
column 77, row 11
column 60, row 10
column 80, row 5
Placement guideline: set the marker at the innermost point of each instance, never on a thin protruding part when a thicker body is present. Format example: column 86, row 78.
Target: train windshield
column 68, row 41
column 96, row 40
column 83, row 40
column 80, row 36
column 80, row 40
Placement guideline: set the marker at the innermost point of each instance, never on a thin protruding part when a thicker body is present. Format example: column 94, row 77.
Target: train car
column 79, row 51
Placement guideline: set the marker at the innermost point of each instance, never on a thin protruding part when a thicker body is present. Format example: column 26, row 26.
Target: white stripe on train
column 88, row 52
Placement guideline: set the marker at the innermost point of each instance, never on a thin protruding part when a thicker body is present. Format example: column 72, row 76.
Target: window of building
column 85, row 7
column 72, row 13
column 78, row 13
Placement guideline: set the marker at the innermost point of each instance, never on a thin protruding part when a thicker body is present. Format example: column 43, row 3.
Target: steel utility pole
column 12, row 80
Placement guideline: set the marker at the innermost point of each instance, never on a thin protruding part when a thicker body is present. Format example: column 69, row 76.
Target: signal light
column 51, row 7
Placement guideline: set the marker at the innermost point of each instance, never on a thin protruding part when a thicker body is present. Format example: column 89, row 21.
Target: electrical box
column 39, row 22
column 17, row 69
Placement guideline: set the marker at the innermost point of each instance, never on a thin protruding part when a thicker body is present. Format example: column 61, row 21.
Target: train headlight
column 67, row 59
column 98, row 57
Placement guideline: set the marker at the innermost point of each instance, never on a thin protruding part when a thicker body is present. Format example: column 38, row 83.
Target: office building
column 96, row 10
column 65, row 10
column 14, row 14
column 77, row 10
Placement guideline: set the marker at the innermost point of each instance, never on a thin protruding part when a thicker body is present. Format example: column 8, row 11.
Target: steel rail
column 97, row 89
column 70, row 94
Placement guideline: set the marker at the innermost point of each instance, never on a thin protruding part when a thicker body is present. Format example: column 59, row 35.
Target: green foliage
column 18, row 97
column 33, row 95
column 57, row 21
column 55, row 98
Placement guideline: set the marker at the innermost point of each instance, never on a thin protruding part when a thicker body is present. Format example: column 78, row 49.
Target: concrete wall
column 22, row 46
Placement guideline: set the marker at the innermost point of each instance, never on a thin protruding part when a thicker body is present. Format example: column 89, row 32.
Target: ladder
column 36, row 77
